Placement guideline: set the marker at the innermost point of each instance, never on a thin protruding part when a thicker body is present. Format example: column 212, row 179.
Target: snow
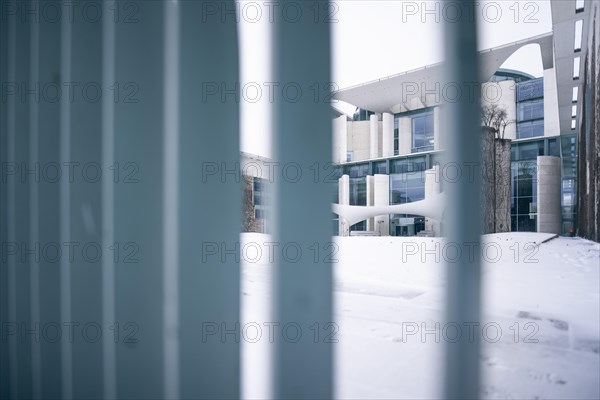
column 545, row 298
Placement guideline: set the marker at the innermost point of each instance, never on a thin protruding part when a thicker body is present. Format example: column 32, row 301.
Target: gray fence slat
column 464, row 134
column 49, row 211
column 138, row 202
column 302, row 210
column 210, row 205
column 85, row 209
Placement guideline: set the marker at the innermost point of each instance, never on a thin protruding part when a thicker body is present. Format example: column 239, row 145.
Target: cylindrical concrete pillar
column 548, row 194
column 404, row 135
column 340, row 141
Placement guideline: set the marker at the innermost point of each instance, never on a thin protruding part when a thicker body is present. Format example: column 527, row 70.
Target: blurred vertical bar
column 65, row 79
column 303, row 233
column 209, row 199
column 33, row 182
column 108, row 198
column 20, row 225
column 464, row 133
column 84, row 186
column 170, row 198
column 49, row 204
column 137, row 251
column 6, row 70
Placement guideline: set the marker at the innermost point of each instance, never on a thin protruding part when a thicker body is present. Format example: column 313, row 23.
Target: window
column 357, row 171
column 579, row 4
column 530, row 110
column 408, row 165
column 575, row 94
column 576, row 62
column 530, row 129
column 553, row 149
column 358, row 192
column 396, row 136
column 529, row 150
column 380, row 167
column 407, row 187
column 578, row 34
column 349, row 156
column 422, row 131
column 529, row 90
column 524, row 195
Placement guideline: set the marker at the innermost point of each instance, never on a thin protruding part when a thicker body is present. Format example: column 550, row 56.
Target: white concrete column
column 405, row 135
column 437, row 137
column 551, row 120
column 340, row 141
column 388, row 135
column 370, row 200
column 344, row 199
column 381, row 197
column 374, row 131
column 433, row 187
column 548, row 194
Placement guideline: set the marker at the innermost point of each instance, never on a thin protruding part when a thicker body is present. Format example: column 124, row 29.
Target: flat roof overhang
column 427, row 86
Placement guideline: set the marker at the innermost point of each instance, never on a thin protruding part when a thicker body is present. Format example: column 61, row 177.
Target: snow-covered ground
column 540, row 329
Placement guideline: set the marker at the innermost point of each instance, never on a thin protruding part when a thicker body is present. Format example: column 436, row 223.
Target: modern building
column 387, row 150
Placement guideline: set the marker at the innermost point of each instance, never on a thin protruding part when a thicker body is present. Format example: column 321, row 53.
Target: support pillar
column 340, row 139
column 433, row 187
column 548, row 194
column 387, row 136
column 405, row 135
column 344, row 199
column 374, row 131
column 381, row 185
column 370, row 200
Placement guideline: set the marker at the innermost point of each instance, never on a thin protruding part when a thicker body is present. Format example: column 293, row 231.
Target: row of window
column 422, row 131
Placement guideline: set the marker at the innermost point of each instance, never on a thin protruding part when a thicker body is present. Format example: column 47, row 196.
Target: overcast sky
column 375, row 39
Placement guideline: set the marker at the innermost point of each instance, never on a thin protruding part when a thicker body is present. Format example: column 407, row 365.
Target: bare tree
column 496, row 118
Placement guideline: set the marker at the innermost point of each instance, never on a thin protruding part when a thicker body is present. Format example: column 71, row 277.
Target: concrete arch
column 493, row 59
column 431, row 208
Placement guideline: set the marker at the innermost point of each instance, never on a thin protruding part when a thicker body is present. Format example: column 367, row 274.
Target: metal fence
column 119, row 175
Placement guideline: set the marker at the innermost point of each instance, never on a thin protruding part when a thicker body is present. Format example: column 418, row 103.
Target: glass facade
column 357, row 170
column 261, row 199
column 380, row 167
column 524, row 196
column 524, row 181
column 569, row 180
column 407, row 184
column 422, row 131
column 407, row 187
column 530, row 129
column 358, row 197
column 530, row 108
column 408, row 164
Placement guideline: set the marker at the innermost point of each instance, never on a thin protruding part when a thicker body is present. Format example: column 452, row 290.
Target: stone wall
column 495, row 183
column 588, row 216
